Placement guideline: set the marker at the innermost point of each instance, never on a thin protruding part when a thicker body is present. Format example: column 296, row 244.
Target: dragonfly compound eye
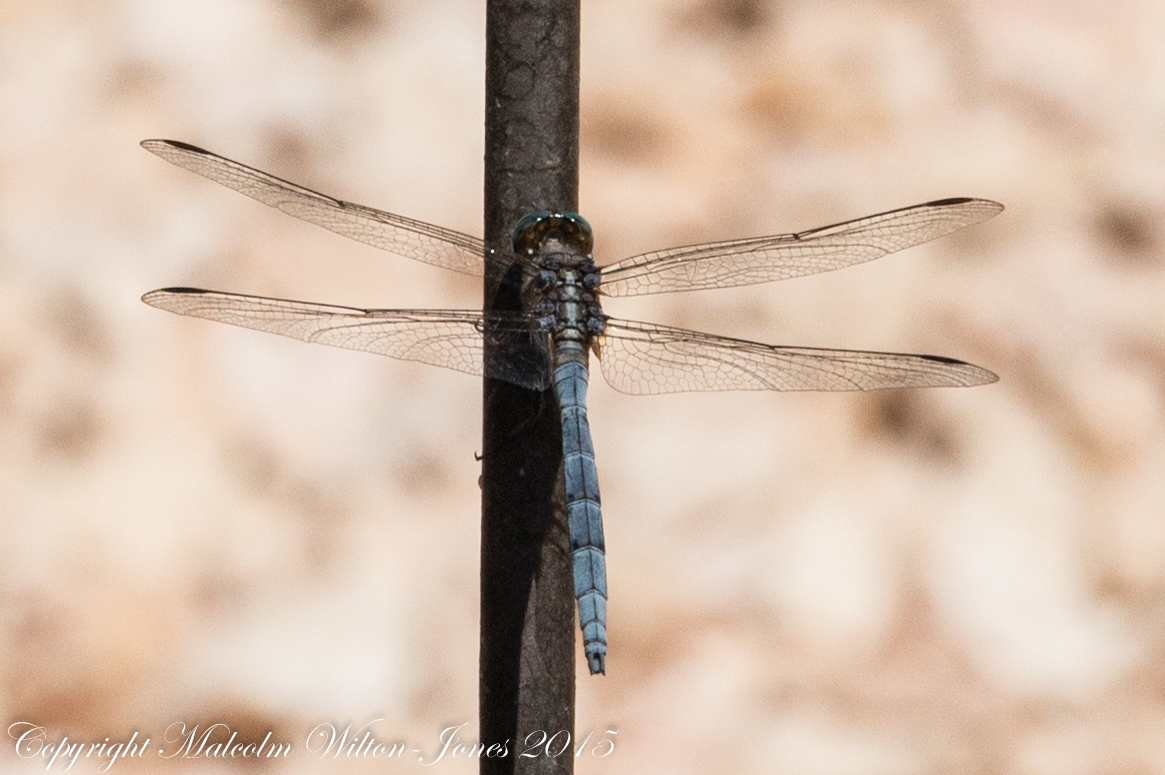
column 571, row 229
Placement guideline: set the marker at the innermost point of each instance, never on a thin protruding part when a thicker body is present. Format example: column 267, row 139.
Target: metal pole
column 526, row 678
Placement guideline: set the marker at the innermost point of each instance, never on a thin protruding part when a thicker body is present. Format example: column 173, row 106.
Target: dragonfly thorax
column 562, row 293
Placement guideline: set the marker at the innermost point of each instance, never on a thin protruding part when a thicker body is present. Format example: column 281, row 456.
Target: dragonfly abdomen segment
column 584, row 515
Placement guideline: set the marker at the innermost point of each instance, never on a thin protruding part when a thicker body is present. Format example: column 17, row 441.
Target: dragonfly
column 546, row 345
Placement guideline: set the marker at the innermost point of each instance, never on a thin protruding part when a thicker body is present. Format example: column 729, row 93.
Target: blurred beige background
column 206, row 524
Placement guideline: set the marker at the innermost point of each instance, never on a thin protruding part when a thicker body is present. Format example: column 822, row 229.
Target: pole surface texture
column 526, row 678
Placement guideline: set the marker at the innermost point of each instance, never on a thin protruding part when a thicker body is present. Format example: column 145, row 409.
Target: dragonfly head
column 571, row 231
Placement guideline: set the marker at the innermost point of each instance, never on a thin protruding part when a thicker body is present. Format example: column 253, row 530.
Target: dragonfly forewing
column 646, row 358
column 764, row 259
column 394, row 233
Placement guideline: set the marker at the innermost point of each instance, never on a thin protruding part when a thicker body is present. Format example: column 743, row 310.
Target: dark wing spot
column 957, row 200
column 944, row 359
column 183, row 146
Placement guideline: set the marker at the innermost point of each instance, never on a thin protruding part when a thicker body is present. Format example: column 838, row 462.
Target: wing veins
column 754, row 260
column 647, row 358
column 395, row 233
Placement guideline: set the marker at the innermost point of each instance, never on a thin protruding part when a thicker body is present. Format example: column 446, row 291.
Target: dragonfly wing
column 453, row 339
column 645, row 358
column 764, row 259
column 403, row 236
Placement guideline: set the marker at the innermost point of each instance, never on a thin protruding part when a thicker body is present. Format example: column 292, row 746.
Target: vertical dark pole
column 526, row 680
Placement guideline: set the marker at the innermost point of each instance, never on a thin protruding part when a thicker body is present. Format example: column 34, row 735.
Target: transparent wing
column 453, row 339
column 644, row 358
column 763, row 259
column 394, row 233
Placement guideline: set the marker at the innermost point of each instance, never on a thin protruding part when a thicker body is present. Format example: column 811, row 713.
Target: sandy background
column 205, row 524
